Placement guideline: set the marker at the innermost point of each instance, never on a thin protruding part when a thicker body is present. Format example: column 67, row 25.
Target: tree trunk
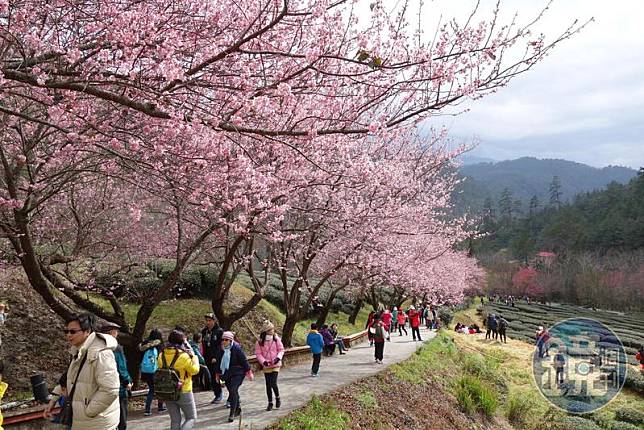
column 355, row 312
column 326, row 309
column 287, row 330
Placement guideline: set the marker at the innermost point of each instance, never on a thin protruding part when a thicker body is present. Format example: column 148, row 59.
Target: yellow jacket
column 3, row 389
column 185, row 366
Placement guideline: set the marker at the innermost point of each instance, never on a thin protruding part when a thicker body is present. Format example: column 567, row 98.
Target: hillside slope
column 529, row 176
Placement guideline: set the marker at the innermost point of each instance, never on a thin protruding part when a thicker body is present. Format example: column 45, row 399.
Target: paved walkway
column 295, row 384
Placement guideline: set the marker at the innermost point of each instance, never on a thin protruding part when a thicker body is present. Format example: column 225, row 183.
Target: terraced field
column 524, row 319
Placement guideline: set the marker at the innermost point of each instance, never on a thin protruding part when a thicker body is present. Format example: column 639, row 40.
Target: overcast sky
column 585, row 102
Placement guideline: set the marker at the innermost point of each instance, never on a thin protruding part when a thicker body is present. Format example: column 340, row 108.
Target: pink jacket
column 269, row 351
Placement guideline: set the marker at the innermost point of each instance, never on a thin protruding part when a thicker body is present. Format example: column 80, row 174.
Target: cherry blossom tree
column 195, row 119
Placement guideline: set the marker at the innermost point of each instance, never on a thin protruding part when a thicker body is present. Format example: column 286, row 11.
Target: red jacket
column 414, row 318
column 401, row 317
column 386, row 319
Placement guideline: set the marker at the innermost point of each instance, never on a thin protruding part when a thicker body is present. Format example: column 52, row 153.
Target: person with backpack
column 211, row 346
column 176, row 366
column 329, row 341
column 150, row 349
column 379, row 336
column 502, row 324
column 269, row 351
column 490, row 326
column 233, row 367
column 414, row 322
column 124, row 376
column 315, row 341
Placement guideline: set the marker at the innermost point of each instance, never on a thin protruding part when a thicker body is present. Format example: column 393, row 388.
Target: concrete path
column 295, row 384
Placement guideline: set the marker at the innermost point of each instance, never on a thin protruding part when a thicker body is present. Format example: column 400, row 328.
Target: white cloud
column 584, row 102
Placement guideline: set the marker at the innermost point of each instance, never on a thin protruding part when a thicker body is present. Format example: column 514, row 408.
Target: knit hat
column 412, row 307
column 266, row 326
column 395, row 308
column 109, row 326
column 228, row 335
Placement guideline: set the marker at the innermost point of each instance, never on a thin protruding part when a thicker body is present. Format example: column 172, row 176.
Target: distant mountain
column 467, row 159
column 528, row 176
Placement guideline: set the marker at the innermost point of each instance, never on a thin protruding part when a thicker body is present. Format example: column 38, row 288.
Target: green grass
column 315, row 416
column 366, row 398
column 435, row 360
column 472, row 392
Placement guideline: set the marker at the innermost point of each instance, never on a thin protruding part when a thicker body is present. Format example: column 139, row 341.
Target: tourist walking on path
column 414, row 322
column 379, row 335
column 502, row 327
column 386, row 322
column 233, row 367
column 394, row 319
column 125, row 379
column 211, row 347
column 333, row 329
column 316, row 342
column 369, row 323
column 178, row 356
column 92, row 377
column 402, row 322
column 150, row 349
column 269, row 352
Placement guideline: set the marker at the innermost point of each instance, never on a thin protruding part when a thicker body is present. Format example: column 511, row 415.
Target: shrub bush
column 482, row 396
column 519, row 406
column 619, row 425
column 446, row 316
column 630, row 415
column 573, row 423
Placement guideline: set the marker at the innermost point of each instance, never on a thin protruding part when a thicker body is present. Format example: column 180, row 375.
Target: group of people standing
column 496, row 328
column 96, row 385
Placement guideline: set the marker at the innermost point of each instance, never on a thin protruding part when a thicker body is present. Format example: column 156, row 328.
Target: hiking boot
column 269, row 407
column 278, row 403
column 147, row 413
column 231, row 419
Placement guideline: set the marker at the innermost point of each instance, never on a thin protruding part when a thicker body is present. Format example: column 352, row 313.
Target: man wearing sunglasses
column 92, row 378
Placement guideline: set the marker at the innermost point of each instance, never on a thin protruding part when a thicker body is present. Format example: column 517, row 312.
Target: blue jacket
column 238, row 365
column 315, row 341
column 124, row 375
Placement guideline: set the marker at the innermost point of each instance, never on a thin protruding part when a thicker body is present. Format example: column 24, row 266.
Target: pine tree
column 555, row 192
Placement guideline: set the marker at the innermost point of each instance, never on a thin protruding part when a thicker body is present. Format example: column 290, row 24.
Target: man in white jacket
column 93, row 369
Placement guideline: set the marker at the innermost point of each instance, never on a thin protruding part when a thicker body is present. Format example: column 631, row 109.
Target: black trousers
column 233, row 393
column 502, row 335
column 379, row 350
column 415, row 331
column 123, row 413
column 214, row 369
column 401, row 327
column 315, row 368
column 271, row 385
